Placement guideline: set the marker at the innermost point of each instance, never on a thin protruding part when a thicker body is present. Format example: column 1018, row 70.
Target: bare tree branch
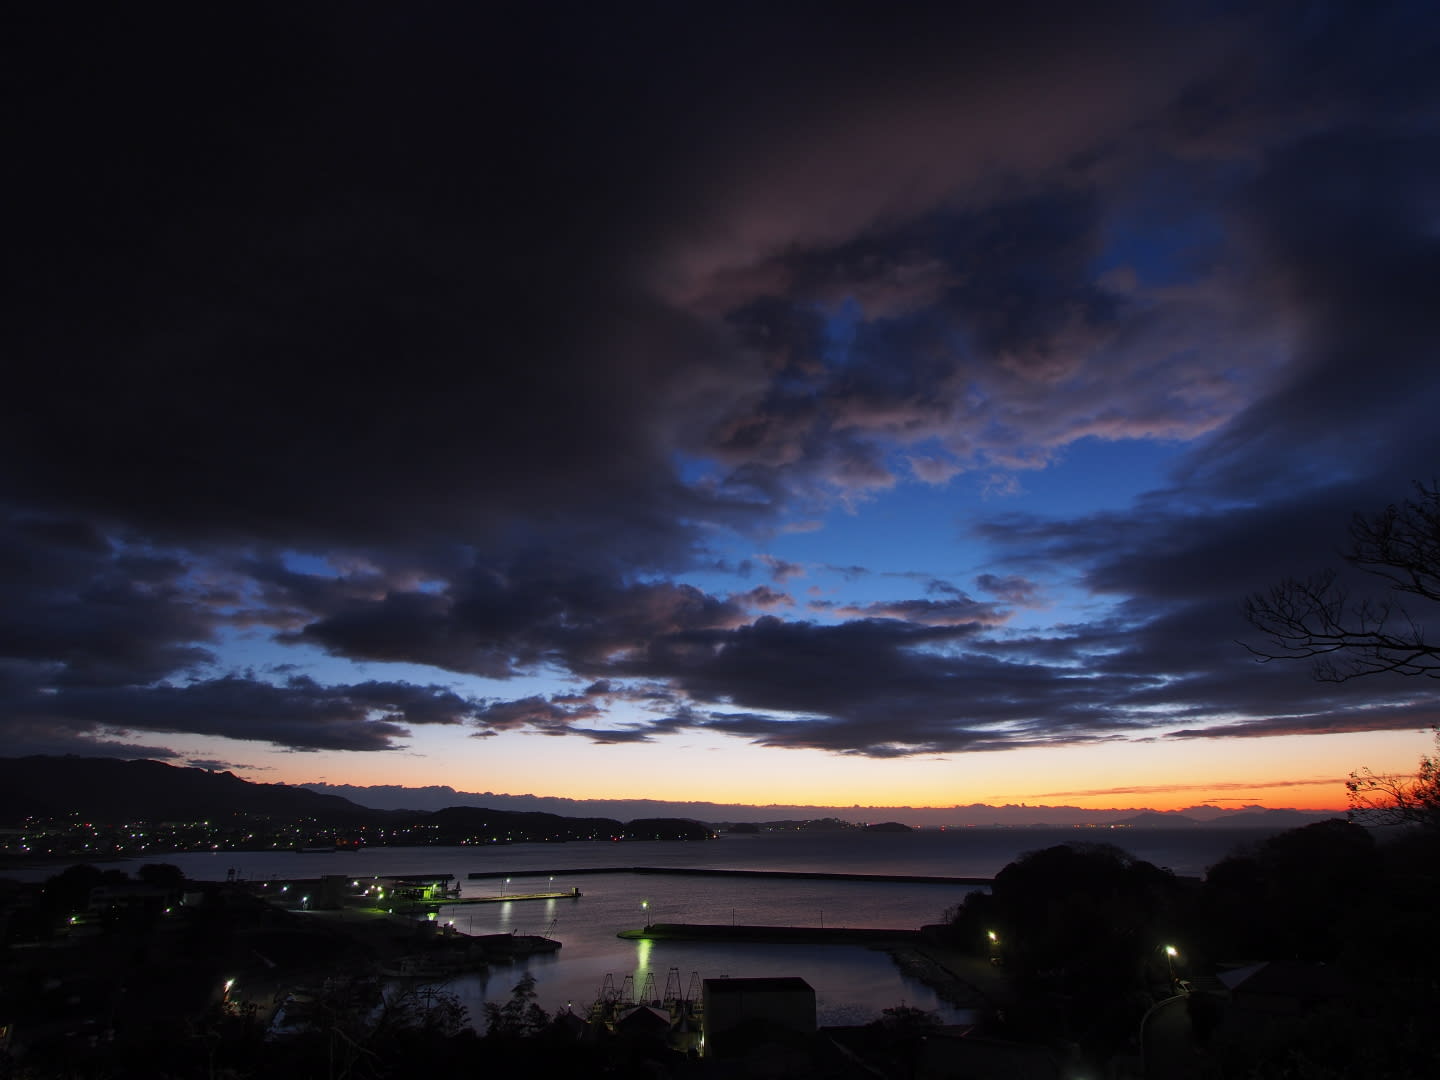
column 1315, row 618
column 1381, row 799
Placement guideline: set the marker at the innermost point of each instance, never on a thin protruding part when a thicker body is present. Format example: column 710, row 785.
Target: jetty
column 695, row 871
column 503, row 898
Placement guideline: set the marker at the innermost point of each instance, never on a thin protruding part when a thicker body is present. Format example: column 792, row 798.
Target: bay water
column 852, row 984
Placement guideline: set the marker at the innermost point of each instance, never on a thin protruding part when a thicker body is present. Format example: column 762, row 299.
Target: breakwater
column 774, row 935
column 696, row 871
column 503, row 898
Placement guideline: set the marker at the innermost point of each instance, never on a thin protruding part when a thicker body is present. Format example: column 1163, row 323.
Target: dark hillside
column 460, row 824
column 112, row 790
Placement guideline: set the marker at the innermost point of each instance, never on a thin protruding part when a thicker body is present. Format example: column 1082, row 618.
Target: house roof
column 643, row 1018
column 1286, row 978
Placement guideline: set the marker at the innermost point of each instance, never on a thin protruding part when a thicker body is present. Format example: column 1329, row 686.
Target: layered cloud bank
column 386, row 375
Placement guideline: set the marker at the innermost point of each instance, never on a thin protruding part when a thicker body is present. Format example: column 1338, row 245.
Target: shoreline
column 960, row 980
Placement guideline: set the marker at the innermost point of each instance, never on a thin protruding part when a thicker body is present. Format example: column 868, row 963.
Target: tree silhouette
column 1316, row 618
column 1383, row 799
column 520, row 1017
column 161, row 875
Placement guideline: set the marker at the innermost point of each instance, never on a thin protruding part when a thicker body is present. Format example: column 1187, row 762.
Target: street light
column 996, row 959
column 1170, row 954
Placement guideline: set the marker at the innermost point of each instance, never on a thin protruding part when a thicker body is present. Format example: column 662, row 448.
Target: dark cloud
column 93, row 612
column 43, row 736
column 1012, row 589
column 315, row 306
column 536, row 713
column 497, row 622
column 781, row 570
column 560, row 715
column 1418, row 717
column 1215, row 785
column 300, row 713
column 764, row 598
column 451, row 341
column 955, row 610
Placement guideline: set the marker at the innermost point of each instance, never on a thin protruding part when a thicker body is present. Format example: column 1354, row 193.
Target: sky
column 805, row 403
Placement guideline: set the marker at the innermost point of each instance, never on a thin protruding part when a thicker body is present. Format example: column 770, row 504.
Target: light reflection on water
column 849, row 981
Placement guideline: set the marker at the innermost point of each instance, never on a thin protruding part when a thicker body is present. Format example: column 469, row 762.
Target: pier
column 693, row 871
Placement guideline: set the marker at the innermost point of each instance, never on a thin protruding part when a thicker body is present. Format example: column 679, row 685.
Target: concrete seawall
column 798, row 875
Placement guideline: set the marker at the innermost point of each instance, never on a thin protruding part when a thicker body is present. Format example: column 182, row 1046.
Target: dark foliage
column 1080, row 927
column 1296, row 896
column 161, row 875
column 519, row 1017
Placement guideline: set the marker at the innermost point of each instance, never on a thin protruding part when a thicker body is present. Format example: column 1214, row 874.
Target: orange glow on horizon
column 1284, row 772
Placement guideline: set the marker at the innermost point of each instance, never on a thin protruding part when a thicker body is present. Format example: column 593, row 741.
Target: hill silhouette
column 114, row 790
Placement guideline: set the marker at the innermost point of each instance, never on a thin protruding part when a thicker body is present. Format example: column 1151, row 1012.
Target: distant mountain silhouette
column 469, row 823
column 1273, row 819
column 1245, row 819
column 788, row 816
column 111, row 790
column 479, row 822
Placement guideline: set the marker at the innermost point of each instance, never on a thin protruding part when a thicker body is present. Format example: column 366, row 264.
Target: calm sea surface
column 852, row 984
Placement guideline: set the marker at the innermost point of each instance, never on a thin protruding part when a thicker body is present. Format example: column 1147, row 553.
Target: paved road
column 1167, row 1041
